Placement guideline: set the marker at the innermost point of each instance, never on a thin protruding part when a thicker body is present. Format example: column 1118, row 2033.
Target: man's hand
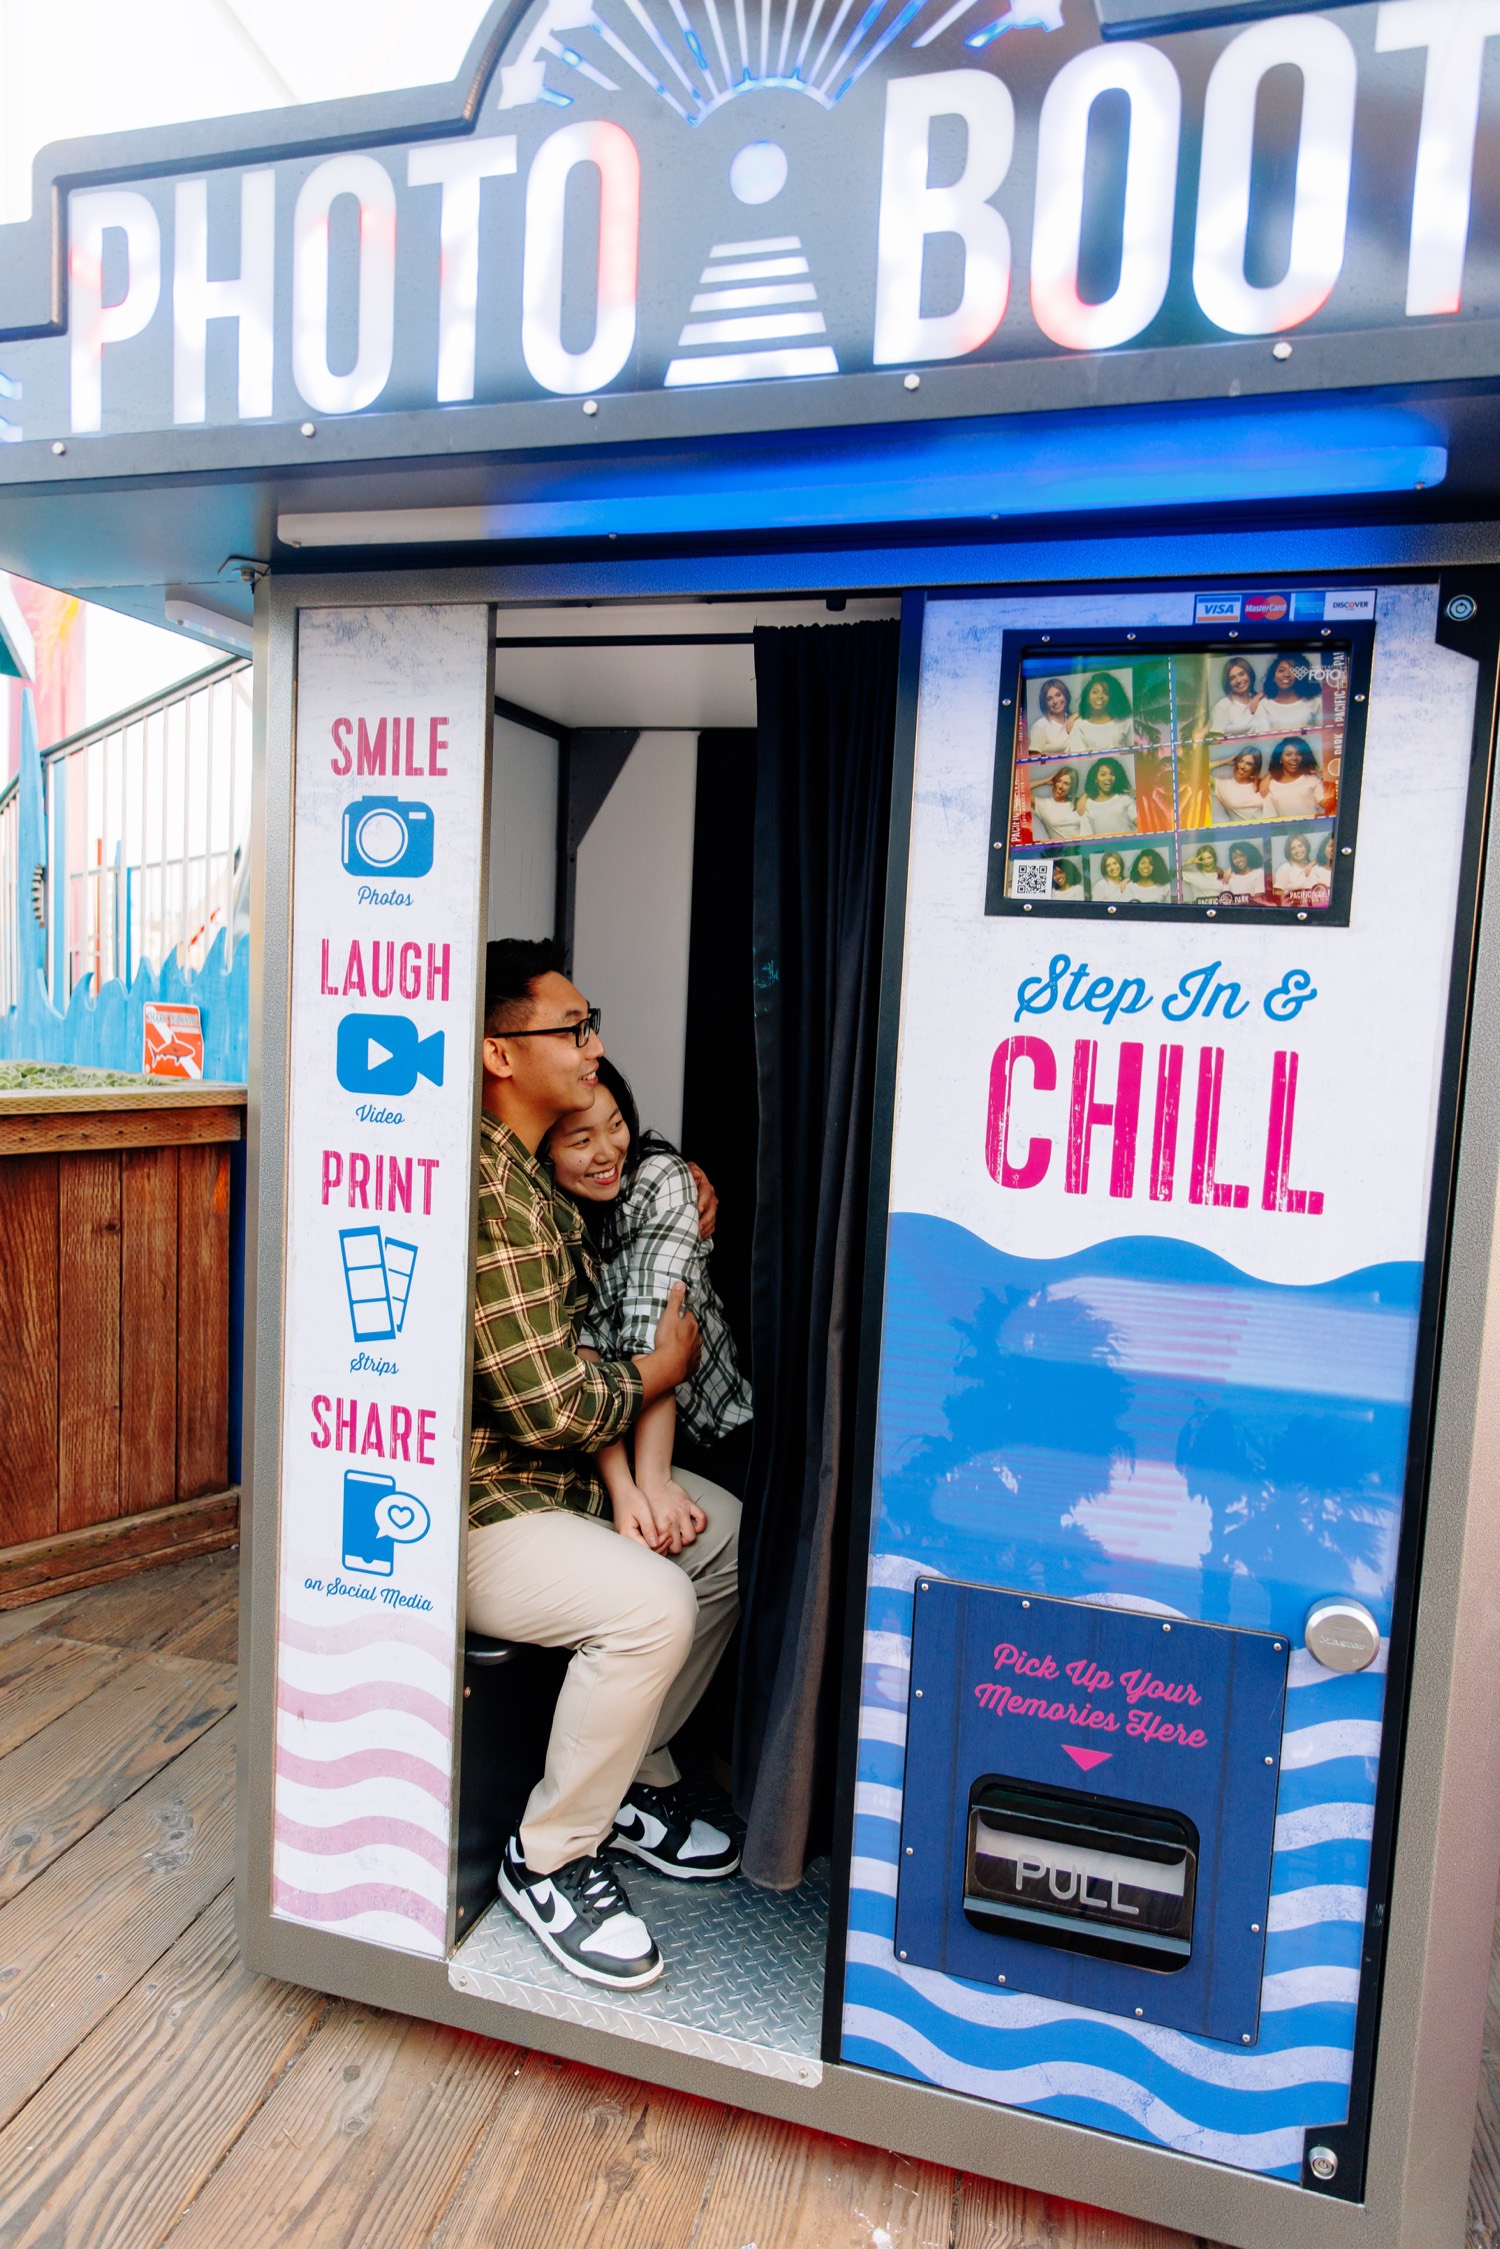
column 675, row 1350
column 677, row 1336
column 708, row 1203
column 677, row 1516
column 634, row 1518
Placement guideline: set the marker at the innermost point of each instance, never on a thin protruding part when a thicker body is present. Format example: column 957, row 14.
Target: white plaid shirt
column 657, row 1226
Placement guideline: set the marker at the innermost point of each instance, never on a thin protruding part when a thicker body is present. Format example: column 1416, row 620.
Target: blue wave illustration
column 1234, row 1449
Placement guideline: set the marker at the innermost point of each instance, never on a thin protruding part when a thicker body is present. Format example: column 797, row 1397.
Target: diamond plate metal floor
column 743, row 1982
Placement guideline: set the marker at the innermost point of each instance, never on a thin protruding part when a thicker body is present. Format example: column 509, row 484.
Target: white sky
column 98, row 66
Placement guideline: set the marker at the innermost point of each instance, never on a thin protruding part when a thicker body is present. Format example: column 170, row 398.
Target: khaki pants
column 646, row 1629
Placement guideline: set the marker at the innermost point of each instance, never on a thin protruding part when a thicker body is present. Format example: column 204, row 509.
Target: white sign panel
column 390, row 766
column 1160, row 1192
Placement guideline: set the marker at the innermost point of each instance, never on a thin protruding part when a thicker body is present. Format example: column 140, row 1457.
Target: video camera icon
column 387, row 836
column 386, row 1054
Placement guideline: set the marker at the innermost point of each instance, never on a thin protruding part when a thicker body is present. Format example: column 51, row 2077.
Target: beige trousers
column 646, row 1630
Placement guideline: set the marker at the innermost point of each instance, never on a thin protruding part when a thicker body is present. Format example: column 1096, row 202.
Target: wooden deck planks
column 593, row 2161
column 363, row 2145
column 153, row 1609
column 989, row 2215
column 77, row 1939
column 214, row 1634
column 20, row 1624
column 41, row 1677
column 124, row 2135
column 68, row 1777
column 155, row 2096
column 781, row 2187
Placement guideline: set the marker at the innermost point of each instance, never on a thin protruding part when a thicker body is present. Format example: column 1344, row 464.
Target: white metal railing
column 11, row 902
column 148, row 823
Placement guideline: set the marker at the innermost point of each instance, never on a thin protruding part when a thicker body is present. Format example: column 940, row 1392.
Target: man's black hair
column 511, row 966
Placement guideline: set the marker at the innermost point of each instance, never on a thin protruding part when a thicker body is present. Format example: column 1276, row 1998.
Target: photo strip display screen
column 1200, row 777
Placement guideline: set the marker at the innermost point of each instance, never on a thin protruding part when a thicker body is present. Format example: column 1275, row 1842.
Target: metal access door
column 1179, row 1533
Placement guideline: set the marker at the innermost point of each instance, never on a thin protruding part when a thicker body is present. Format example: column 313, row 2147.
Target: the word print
column 379, row 1182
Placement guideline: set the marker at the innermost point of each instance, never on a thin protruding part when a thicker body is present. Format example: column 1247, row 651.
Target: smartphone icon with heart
column 378, row 1519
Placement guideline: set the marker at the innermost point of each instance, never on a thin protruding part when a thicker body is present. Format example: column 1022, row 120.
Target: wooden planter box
column 114, row 1331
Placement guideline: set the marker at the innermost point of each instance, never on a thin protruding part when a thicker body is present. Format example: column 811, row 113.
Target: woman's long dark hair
column 1306, row 758
column 601, row 1220
column 1116, row 701
column 1091, row 778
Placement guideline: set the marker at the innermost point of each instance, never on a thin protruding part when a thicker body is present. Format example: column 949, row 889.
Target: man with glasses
column 545, row 1564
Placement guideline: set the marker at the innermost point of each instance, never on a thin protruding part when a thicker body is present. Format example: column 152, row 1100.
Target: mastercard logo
column 1267, row 608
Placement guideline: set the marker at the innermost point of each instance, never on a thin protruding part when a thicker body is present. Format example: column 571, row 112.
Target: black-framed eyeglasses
column 586, row 1028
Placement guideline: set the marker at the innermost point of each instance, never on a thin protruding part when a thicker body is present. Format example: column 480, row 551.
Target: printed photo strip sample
column 1199, row 777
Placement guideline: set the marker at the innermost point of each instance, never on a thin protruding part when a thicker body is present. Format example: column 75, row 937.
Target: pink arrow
column 1087, row 1759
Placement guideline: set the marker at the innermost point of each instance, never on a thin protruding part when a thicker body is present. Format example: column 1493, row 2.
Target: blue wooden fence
column 106, row 1029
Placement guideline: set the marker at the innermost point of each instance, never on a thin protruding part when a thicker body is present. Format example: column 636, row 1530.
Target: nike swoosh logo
column 548, row 1908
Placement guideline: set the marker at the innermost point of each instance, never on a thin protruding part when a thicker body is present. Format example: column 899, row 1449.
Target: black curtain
column 826, row 711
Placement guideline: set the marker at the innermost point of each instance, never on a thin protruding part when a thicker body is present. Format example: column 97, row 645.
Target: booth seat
column 510, row 1692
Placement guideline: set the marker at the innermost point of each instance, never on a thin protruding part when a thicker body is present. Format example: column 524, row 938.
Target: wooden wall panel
column 28, row 1348
column 202, row 1320
column 88, row 1408
column 148, row 1329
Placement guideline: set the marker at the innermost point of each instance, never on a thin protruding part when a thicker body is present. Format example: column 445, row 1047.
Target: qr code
column 1031, row 878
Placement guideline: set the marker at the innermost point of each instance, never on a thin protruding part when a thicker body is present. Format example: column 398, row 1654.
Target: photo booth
column 1166, row 1810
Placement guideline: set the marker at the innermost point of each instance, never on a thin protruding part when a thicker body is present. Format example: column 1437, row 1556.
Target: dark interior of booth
column 693, row 800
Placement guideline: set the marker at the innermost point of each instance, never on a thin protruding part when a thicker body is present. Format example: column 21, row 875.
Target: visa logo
column 1344, row 602
column 1216, row 609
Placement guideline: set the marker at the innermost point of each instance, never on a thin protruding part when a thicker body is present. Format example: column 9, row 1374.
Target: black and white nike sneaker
column 657, row 1826
column 583, row 1917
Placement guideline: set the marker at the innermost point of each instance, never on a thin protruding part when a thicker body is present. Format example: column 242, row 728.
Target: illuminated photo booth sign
column 687, row 199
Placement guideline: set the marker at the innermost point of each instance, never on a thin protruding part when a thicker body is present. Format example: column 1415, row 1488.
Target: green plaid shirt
column 540, row 1411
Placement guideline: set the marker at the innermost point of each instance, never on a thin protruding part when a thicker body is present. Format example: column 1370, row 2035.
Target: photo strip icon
column 377, row 1278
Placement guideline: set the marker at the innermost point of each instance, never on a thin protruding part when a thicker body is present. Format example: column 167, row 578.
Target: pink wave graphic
column 407, row 1629
column 358, row 1834
column 331, row 1704
column 361, row 1897
column 364, row 1764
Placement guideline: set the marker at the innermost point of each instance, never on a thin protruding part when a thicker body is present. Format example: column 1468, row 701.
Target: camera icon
column 386, row 836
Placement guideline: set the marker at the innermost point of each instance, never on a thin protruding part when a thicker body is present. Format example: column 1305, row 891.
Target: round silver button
column 1341, row 1634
